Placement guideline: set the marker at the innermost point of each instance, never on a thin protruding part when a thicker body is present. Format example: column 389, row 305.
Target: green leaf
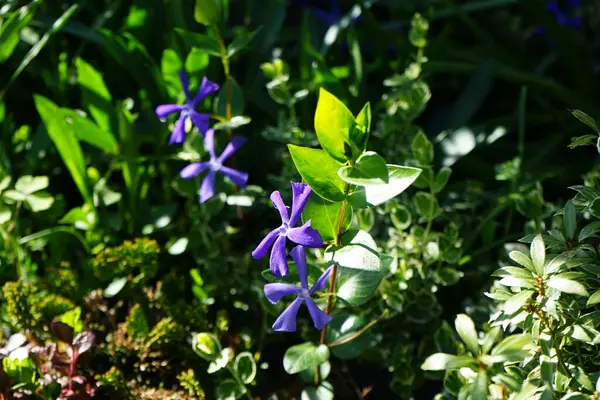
column 308, row 375
column 240, row 41
column 589, row 230
column 229, row 389
column 303, row 356
column 95, row 95
column 522, row 259
column 324, row 216
column 178, row 246
column 400, row 178
column 89, row 132
column 245, row 366
column 570, row 219
column 480, row 386
column 427, row 205
column 333, row 124
column 232, row 91
column 73, row 319
column 319, row 171
column 342, row 327
column 323, row 392
column 586, row 119
column 233, row 123
column 517, row 301
column 39, row 202
column 594, row 298
column 115, row 287
column 422, row 149
column 5, row 214
column 369, row 168
column 207, row 12
column 65, row 141
column 466, row 330
column 355, row 286
column 207, row 44
column 442, row 361
column 538, row 254
column 567, row 286
column 360, row 133
column 358, row 250
column 441, row 180
column 11, row 27
column 512, row 348
column 585, row 140
column 28, row 184
column 490, row 338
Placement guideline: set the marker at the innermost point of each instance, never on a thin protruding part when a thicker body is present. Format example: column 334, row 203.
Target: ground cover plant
column 269, row 199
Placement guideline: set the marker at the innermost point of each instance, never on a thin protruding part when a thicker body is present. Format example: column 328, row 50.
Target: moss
column 138, row 257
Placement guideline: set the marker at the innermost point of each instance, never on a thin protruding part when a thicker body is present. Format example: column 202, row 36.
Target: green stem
column 239, row 381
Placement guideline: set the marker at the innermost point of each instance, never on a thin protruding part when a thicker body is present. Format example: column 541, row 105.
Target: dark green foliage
column 137, row 258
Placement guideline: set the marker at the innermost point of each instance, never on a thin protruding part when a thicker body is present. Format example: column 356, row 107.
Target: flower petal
column 232, row 147
column 178, row 134
column 185, row 84
column 305, row 235
column 300, row 193
column 207, row 87
column 209, row 143
column 193, row 169
column 238, row 177
column 287, row 320
column 165, row 110
column 200, row 120
column 265, row 244
column 299, row 256
column 319, row 317
column 275, row 291
column 280, row 205
column 321, row 282
column 278, row 260
column 207, row 190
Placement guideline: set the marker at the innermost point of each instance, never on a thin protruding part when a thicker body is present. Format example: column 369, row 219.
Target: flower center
column 215, row 164
column 284, row 228
column 304, row 293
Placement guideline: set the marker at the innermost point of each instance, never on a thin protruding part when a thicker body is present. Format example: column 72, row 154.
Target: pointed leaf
column 369, row 168
column 480, row 386
column 567, row 286
column 466, row 330
column 570, row 219
column 303, row 356
column 400, row 178
column 586, row 119
column 538, row 254
column 516, row 302
column 522, row 259
column 333, row 124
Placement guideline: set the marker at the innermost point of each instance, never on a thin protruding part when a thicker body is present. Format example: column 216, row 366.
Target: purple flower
column 187, row 110
column 275, row 291
column 563, row 14
column 207, row 190
column 304, row 235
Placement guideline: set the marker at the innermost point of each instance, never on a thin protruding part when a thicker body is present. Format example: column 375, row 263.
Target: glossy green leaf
column 343, row 327
column 240, row 41
column 303, row 356
column 400, row 178
column 333, row 124
column 427, row 205
column 422, row 149
column 115, row 287
column 594, row 298
column 567, row 286
column 480, row 386
column 233, row 94
column 233, row 123
column 586, row 119
column 356, row 286
column 442, row 361
column 517, row 301
column 95, row 95
column 319, row 171
column 325, row 217
column 207, row 12
column 229, row 389
column 369, row 168
column 65, row 141
column 360, row 133
column 570, row 219
column 589, row 230
column 358, row 250
column 245, row 366
column 11, row 27
column 323, row 392
column 466, row 330
column 522, row 259
column 441, row 179
column 538, row 254
column 512, row 348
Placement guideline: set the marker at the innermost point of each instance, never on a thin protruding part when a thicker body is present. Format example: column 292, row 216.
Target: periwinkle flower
column 563, row 13
column 304, row 235
column 207, row 190
column 188, row 110
column 286, row 322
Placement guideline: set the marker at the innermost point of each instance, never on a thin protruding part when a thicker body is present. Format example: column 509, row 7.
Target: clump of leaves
column 138, row 258
column 28, row 307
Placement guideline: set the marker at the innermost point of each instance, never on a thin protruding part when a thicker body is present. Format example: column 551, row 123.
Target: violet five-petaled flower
column 304, row 235
column 188, row 110
column 207, row 189
column 286, row 322
column 563, row 13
